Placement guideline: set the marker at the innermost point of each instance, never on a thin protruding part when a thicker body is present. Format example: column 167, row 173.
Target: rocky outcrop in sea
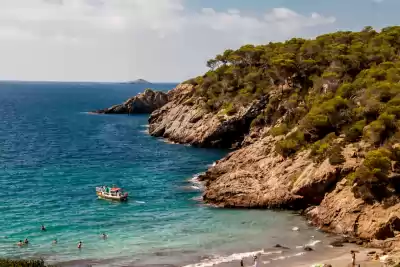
column 145, row 102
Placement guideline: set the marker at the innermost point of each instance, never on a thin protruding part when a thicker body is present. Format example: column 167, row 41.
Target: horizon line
column 83, row 81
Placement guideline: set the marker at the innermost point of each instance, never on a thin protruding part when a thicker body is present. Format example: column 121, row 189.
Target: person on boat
column 43, row 228
column 20, row 244
column 80, row 244
column 26, row 242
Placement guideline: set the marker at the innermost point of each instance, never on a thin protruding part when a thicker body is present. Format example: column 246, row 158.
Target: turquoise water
column 52, row 156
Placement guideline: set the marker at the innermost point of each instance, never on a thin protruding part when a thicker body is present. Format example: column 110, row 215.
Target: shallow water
column 52, row 156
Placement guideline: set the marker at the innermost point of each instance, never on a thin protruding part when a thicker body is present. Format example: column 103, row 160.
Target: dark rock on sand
column 337, row 243
column 280, row 246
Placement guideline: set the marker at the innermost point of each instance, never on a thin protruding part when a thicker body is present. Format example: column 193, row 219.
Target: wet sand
column 337, row 257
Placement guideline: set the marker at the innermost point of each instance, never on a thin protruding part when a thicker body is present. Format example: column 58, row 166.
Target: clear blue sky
column 350, row 14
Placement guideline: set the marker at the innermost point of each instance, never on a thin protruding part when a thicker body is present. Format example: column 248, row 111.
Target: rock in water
column 145, row 102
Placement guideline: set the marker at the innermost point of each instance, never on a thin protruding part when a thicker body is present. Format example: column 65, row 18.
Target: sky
column 159, row 40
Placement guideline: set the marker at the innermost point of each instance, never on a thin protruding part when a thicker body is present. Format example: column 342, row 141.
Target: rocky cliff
column 184, row 121
column 314, row 125
column 145, row 102
column 256, row 176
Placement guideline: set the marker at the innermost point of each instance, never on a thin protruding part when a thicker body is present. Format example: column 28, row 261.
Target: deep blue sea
column 52, row 156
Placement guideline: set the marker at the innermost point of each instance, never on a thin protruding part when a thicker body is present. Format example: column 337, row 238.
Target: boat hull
column 115, row 198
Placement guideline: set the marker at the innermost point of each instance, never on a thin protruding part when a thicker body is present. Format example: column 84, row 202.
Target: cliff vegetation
column 314, row 124
column 344, row 83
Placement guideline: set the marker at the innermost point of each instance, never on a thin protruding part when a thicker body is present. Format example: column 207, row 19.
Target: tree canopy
column 343, row 83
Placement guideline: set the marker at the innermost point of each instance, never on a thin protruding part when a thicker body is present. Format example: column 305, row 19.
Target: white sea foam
column 140, row 202
column 164, row 140
column 145, row 126
column 198, row 198
column 195, row 187
column 312, row 243
column 196, row 183
column 288, row 256
column 230, row 258
column 212, row 165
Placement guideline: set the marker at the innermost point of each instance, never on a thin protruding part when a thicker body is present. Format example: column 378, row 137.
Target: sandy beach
column 322, row 254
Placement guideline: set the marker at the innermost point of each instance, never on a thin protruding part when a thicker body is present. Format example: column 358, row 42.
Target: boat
column 111, row 193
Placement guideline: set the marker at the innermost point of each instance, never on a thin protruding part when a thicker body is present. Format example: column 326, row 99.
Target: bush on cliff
column 371, row 179
column 289, row 146
column 339, row 84
column 279, row 130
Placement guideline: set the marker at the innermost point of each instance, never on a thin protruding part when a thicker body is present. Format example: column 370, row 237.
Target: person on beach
column 255, row 261
column 241, row 263
column 353, row 257
column 80, row 245
column 43, row 228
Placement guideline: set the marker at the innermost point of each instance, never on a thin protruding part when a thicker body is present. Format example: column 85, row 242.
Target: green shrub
column 289, row 146
column 371, row 179
column 279, row 130
column 319, row 150
column 346, row 90
column 335, row 155
column 368, row 186
column 380, row 130
column 374, row 131
column 350, row 178
column 229, row 109
column 258, row 121
column 23, row 263
column 326, row 117
column 355, row 132
column 378, row 161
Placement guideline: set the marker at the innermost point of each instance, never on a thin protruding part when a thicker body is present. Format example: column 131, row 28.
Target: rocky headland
column 145, row 102
column 313, row 126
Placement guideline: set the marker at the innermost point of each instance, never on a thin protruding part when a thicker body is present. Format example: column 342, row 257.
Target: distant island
column 140, row 81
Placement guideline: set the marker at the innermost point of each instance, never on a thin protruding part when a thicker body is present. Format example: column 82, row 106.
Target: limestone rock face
column 256, row 176
column 183, row 121
column 145, row 102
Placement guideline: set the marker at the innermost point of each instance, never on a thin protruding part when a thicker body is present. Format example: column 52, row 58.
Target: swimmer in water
column 80, row 244
column 55, row 241
column 104, row 236
column 20, row 244
column 26, row 242
column 43, row 228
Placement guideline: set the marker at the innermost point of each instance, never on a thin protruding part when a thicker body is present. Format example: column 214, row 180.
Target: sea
column 53, row 154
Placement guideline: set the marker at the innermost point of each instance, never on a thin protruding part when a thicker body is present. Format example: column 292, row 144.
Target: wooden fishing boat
column 111, row 193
